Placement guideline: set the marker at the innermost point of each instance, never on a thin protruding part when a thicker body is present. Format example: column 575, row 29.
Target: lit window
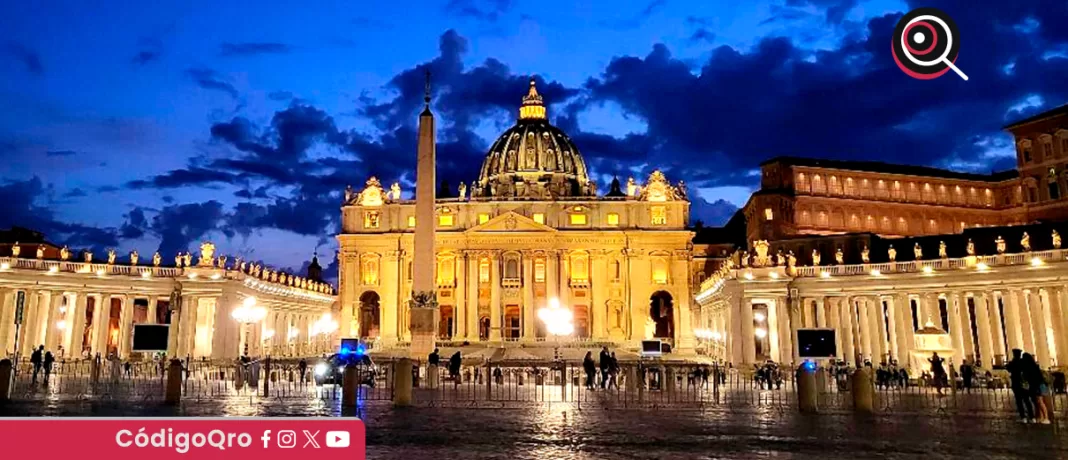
column 483, row 218
column 370, row 219
column 484, row 270
column 370, row 270
column 445, row 220
column 511, row 268
column 446, row 270
column 659, row 215
column 580, row 267
column 768, row 215
column 660, row 271
column 411, row 221
column 578, row 219
column 539, row 218
column 613, row 219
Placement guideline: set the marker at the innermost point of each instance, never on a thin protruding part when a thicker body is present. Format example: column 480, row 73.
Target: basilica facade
column 531, row 231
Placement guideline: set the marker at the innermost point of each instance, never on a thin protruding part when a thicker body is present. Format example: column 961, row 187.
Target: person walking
column 938, row 371
column 302, row 366
column 1036, row 385
column 434, row 358
column 613, row 371
column 1019, row 384
column 967, row 373
column 36, row 359
column 590, row 368
column 605, row 362
column 49, row 360
column 454, row 366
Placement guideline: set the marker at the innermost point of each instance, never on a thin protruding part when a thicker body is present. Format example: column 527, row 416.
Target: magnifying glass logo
column 925, row 44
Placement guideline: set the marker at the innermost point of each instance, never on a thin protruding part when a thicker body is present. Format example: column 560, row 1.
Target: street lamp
column 247, row 314
column 557, row 321
column 324, row 326
column 267, row 336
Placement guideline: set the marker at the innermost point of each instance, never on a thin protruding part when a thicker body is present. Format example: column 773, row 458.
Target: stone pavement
column 562, row 431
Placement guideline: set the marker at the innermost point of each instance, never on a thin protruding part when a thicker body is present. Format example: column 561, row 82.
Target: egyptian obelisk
column 424, row 312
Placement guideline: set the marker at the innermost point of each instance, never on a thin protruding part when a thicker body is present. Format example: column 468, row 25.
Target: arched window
column 446, row 270
column 660, row 270
column 580, row 266
column 511, row 268
column 484, row 270
column 902, row 225
column 370, row 269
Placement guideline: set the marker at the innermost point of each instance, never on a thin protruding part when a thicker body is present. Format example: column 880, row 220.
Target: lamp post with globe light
column 325, row 326
column 248, row 314
column 557, row 322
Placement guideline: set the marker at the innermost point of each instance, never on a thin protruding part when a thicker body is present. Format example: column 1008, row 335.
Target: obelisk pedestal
column 424, row 312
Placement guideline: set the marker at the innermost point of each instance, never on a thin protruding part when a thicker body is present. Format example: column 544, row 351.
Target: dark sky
column 155, row 127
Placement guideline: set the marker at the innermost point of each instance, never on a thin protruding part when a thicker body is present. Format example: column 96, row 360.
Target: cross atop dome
column 533, row 107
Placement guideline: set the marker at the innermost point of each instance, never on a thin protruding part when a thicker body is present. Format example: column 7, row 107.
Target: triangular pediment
column 511, row 222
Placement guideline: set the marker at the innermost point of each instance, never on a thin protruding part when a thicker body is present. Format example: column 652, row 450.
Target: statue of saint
column 222, row 262
column 816, row 257
column 790, row 259
column 64, row 253
column 745, row 258
column 88, row 256
column 1025, row 242
column 632, row 187
column 187, row 259
column 839, row 257
column 348, row 193
column 682, row 189
column 40, row 252
column 463, row 191
column 1000, row 242
column 917, row 251
column 178, row 260
column 892, row 253
column 111, row 257
column 133, row 257
column 395, row 192
column 1056, row 240
column 864, row 253
column 780, row 260
column 942, row 249
column 16, row 250
column 971, row 247
column 156, row 259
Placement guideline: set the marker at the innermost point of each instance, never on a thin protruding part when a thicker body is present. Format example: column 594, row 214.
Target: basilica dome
column 533, row 159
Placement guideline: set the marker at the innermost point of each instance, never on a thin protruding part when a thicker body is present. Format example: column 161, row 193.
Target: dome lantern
column 533, row 107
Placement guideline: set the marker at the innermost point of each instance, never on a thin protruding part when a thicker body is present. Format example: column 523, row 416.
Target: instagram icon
column 287, row 439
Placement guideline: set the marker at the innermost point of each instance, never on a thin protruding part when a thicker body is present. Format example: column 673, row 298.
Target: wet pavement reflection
column 563, row 431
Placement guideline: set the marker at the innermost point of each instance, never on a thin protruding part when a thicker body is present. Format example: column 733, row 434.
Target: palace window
column 660, row 271
column 854, row 221
column 1027, row 154
column 933, row 224
column 580, row 267
column 1047, row 149
column 989, row 197
column 578, row 219
column 445, row 220
column 539, row 218
column 886, row 223
column 869, row 223
column 835, row 189
column 411, row 221
column 1054, row 188
column 768, row 215
column 822, row 219
column 539, row 270
column 659, row 215
column 484, row 270
column 902, row 225
column 370, row 219
column 817, row 184
column 850, row 187
column 370, row 270
column 483, row 218
column 511, row 268
column 613, row 219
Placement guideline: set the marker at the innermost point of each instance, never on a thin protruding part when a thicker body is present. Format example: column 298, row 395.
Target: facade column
column 878, row 334
column 982, row 314
column 893, row 329
column 153, row 310
column 495, row 297
column 954, row 307
column 791, row 314
column 734, row 334
column 473, row 282
column 1012, row 318
column 528, row 299
column 126, row 319
column 598, row 294
column 565, row 279
column 460, row 312
column 774, row 330
column 1059, row 316
column 747, row 336
column 51, row 328
column 865, row 328
column 638, row 281
column 391, row 277
column 845, row 312
column 28, row 339
column 821, row 315
column 997, row 328
column 1038, row 322
column 906, row 333
column 680, row 279
column 1026, row 322
column 101, row 317
column 834, row 322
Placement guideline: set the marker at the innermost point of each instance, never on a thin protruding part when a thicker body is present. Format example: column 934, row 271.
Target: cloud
column 280, row 95
column 252, row 49
column 482, row 10
column 29, row 58
column 633, row 22
column 28, row 204
column 208, row 79
column 149, row 50
column 703, row 35
column 145, row 56
column 60, row 153
column 74, row 193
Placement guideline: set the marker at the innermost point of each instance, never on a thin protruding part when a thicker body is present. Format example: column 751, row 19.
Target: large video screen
column 150, row 337
column 816, row 343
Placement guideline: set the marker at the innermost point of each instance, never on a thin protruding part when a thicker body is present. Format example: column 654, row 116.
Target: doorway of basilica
column 370, row 315
column 660, row 310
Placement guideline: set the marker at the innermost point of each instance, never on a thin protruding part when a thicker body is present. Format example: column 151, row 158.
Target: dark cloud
column 29, row 204
column 60, row 153
column 252, row 49
column 178, row 226
column 29, row 58
column 483, row 10
column 280, row 95
column 183, row 177
column 145, row 56
column 148, row 50
column 74, row 193
column 210, row 80
column 631, row 22
column 703, row 36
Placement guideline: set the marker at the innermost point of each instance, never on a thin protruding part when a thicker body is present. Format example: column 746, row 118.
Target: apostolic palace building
column 900, row 261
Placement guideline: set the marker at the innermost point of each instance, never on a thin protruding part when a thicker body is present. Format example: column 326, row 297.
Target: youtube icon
column 339, row 439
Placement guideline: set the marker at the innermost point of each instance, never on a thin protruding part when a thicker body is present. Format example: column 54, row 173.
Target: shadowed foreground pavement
column 562, row 431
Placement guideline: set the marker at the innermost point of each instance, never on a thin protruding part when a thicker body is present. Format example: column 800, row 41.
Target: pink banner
column 190, row 438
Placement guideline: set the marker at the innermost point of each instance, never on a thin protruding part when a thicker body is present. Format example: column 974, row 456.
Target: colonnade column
column 864, row 327
column 774, row 330
column 793, row 310
column 473, row 283
column 955, row 306
column 982, row 315
column 747, row 336
column 1059, row 316
column 1026, row 321
column 878, row 332
column 845, row 312
column 27, row 337
column 997, row 326
column 528, row 299
column 126, row 317
column 1012, row 318
column 1038, row 322
column 599, row 294
column 461, row 312
column 51, row 327
column 495, row 297
column 834, row 322
column 893, row 330
column 821, row 315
